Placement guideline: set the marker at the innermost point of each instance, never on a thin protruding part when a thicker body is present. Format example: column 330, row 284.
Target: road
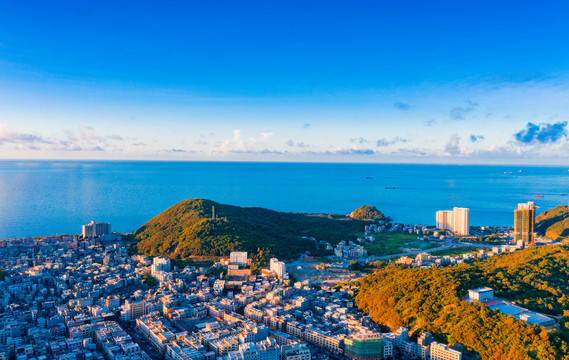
column 141, row 341
column 446, row 245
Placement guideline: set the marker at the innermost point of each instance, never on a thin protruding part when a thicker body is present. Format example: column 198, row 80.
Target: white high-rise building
column 278, row 267
column 238, row 257
column 96, row 229
column 461, row 225
column 444, row 219
column 442, row 352
column 160, row 264
column 455, row 220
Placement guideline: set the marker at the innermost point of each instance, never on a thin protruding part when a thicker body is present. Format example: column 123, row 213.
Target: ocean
column 40, row 198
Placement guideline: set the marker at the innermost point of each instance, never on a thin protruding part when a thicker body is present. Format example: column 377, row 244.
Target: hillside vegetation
column 187, row 229
column 430, row 299
column 367, row 212
column 554, row 223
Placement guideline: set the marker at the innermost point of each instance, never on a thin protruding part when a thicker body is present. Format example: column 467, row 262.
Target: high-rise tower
column 524, row 223
column 455, row 220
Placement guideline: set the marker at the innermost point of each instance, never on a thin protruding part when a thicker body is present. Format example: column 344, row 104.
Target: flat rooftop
column 507, row 308
column 482, row 289
column 535, row 318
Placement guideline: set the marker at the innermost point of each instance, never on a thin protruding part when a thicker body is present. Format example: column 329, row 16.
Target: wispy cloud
column 342, row 151
column 476, row 138
column 83, row 138
column 430, row 122
column 354, row 152
column 27, row 140
column 459, row 112
column 385, row 142
column 543, row 133
column 86, row 138
column 267, row 135
column 257, row 152
column 452, row 147
column 307, row 126
column 402, row 106
column 359, row 140
column 175, row 150
column 299, row 144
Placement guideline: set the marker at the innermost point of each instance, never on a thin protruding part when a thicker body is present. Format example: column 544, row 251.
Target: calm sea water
column 57, row 197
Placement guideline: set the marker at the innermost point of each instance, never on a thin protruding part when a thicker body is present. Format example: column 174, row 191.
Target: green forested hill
column 187, row 229
column 430, row 299
column 367, row 212
column 554, row 223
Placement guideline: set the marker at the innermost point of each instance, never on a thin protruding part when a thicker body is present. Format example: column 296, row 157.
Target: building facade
column 482, row 294
column 96, row 229
column 278, row 267
column 238, row 257
column 364, row 346
column 443, row 352
column 524, row 222
column 295, row 352
column 455, row 220
column 134, row 309
column 160, row 264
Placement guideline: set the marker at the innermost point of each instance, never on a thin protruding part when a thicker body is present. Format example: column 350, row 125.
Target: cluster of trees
column 431, row 300
column 554, row 223
column 368, row 212
column 187, row 229
column 149, row 281
column 493, row 239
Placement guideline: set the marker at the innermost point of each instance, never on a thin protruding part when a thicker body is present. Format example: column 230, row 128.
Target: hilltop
column 187, row 229
column 367, row 212
column 430, row 299
column 554, row 223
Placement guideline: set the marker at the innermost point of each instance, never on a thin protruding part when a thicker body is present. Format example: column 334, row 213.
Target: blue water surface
column 57, row 197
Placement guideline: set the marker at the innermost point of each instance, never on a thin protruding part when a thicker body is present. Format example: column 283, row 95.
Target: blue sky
column 377, row 81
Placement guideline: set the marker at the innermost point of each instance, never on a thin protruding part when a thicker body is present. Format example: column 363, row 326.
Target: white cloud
column 25, row 140
column 233, row 144
column 83, row 139
column 453, row 145
column 267, row 135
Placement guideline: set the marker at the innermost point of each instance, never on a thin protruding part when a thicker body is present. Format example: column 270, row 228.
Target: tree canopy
column 188, row 229
column 554, row 223
column 431, row 300
column 367, row 212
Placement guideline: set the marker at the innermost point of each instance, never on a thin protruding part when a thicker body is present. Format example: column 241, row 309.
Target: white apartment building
column 482, row 294
column 444, row 219
column 387, row 347
column 443, row 352
column 264, row 350
column 160, row 264
column 455, row 220
column 96, row 229
column 295, row 352
column 278, row 267
column 132, row 310
column 238, row 257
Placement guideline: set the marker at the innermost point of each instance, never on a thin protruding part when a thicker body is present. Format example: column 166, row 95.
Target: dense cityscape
column 284, row 180
column 84, row 297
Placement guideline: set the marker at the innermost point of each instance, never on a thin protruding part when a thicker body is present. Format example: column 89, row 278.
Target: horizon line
column 283, row 162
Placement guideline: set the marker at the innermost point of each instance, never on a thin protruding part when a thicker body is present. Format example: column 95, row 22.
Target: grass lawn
column 459, row 250
column 388, row 244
